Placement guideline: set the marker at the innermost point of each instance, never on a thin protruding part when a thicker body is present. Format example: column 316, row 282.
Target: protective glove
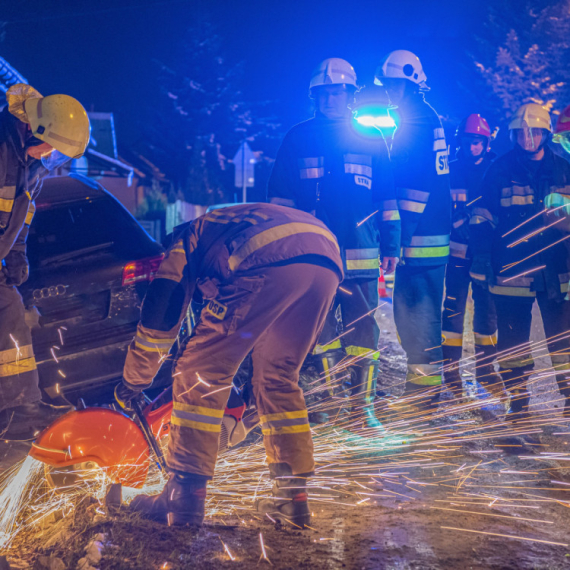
column 125, row 393
column 15, row 268
column 481, row 271
column 557, row 207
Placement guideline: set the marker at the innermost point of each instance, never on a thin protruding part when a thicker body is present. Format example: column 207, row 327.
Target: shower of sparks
column 356, row 466
column 506, row 536
column 367, row 218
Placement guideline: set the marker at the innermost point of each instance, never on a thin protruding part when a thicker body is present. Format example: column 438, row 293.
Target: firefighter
column 562, row 130
column 37, row 134
column 517, row 235
column 420, row 158
column 324, row 167
column 466, row 173
column 267, row 275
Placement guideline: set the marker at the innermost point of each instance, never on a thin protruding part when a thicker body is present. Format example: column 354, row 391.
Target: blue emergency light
column 372, row 121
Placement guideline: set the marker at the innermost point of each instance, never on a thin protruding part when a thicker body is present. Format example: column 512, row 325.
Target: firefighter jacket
column 509, row 225
column 19, row 186
column 420, row 157
column 465, row 179
column 218, row 246
column 324, row 167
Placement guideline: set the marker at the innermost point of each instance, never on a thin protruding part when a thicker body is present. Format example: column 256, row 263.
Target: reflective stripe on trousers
column 18, row 373
column 278, row 313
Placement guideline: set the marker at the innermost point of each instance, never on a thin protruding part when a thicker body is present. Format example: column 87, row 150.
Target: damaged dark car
column 90, row 265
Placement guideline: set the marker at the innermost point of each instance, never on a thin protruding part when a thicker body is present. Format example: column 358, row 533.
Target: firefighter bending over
column 267, row 275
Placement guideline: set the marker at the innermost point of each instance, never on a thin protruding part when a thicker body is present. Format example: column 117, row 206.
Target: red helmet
column 563, row 124
column 474, row 125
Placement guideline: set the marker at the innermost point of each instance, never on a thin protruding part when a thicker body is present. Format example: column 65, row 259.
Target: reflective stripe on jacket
column 420, row 156
column 510, row 225
column 465, row 179
column 324, row 167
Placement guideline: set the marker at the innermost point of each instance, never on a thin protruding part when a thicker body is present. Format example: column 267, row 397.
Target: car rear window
column 92, row 225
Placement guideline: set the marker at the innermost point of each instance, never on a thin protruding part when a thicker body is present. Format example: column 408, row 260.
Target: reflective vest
column 509, row 225
column 324, row 167
column 420, row 157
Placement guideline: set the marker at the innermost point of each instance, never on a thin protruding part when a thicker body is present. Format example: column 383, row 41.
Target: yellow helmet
column 61, row 121
column 531, row 116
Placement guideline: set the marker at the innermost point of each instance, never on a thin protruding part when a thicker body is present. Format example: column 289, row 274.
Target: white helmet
column 401, row 64
column 333, row 71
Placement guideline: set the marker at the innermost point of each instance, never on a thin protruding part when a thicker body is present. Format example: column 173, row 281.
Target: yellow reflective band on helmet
column 511, row 291
column 274, row 234
column 485, row 339
column 451, row 338
column 361, row 351
column 442, row 251
column 320, row 348
column 17, row 367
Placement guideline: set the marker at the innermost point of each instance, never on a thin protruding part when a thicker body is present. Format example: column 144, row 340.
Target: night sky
column 102, row 52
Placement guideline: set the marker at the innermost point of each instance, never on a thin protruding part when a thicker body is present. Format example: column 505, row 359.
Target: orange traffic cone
column 382, row 291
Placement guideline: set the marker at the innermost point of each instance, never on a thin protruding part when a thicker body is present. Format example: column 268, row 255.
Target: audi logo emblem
column 53, row 291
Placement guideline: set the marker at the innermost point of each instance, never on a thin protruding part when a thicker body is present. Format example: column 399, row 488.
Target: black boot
column 519, row 404
column 364, row 376
column 453, row 382
column 336, row 380
column 181, row 503
column 290, row 499
column 25, row 422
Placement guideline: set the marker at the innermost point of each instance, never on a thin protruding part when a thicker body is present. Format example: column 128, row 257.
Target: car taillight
column 141, row 270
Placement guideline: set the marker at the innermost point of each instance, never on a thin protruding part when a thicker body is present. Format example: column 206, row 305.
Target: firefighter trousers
column 457, row 282
column 277, row 313
column 514, row 319
column 18, row 372
column 357, row 301
column 418, row 294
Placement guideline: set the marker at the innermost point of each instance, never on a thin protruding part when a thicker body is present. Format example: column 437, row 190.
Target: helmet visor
column 530, row 139
column 54, row 160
